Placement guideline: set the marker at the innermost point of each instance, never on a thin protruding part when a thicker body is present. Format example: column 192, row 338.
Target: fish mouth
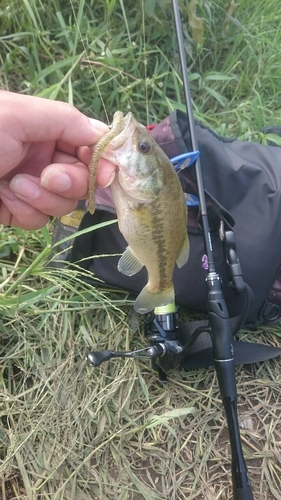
column 122, row 142
column 129, row 125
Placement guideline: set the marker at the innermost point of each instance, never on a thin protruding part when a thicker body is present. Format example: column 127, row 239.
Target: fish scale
column 150, row 206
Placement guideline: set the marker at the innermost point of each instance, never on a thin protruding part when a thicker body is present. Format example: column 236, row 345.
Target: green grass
column 102, row 56
column 70, row 432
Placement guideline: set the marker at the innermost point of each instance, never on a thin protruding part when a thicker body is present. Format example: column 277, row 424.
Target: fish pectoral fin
column 129, row 263
column 184, row 253
column 147, row 300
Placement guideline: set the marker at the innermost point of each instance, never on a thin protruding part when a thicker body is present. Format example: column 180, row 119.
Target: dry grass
column 73, row 432
column 70, row 432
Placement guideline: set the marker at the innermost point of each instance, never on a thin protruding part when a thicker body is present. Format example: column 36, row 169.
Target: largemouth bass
column 150, row 206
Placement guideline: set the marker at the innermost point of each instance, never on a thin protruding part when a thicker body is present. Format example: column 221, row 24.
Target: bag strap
column 200, row 352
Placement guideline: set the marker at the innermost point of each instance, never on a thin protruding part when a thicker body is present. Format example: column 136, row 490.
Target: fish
column 151, row 209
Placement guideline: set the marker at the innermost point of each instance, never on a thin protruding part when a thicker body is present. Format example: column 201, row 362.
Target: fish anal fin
column 147, row 300
column 129, row 263
column 184, row 253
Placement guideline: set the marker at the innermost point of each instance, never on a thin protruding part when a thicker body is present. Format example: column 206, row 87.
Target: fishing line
column 145, row 61
column 78, row 17
column 81, row 7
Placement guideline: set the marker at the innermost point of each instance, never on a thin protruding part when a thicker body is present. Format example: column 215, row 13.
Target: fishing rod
column 220, row 326
column 167, row 349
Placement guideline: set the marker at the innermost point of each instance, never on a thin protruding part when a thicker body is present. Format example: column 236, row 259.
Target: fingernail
column 100, row 128
column 56, row 180
column 111, row 179
column 22, row 186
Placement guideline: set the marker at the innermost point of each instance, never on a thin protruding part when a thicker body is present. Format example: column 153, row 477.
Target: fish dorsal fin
column 184, row 253
column 129, row 263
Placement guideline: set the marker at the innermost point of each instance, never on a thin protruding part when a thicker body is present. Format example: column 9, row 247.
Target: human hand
column 44, row 159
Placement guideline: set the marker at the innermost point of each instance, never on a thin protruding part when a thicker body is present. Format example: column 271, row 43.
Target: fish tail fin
column 147, row 300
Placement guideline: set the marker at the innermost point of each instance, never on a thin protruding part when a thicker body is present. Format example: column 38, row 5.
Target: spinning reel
column 166, row 349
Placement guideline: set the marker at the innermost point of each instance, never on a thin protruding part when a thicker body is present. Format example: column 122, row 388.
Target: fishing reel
column 166, row 350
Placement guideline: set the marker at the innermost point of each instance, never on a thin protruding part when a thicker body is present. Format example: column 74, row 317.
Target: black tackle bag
column 242, row 182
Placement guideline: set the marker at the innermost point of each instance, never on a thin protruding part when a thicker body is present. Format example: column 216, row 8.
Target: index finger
column 34, row 119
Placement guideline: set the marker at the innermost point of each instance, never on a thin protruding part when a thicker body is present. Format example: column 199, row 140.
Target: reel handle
column 96, row 358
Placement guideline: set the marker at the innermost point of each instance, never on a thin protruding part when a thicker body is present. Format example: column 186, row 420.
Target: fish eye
column 144, row 147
